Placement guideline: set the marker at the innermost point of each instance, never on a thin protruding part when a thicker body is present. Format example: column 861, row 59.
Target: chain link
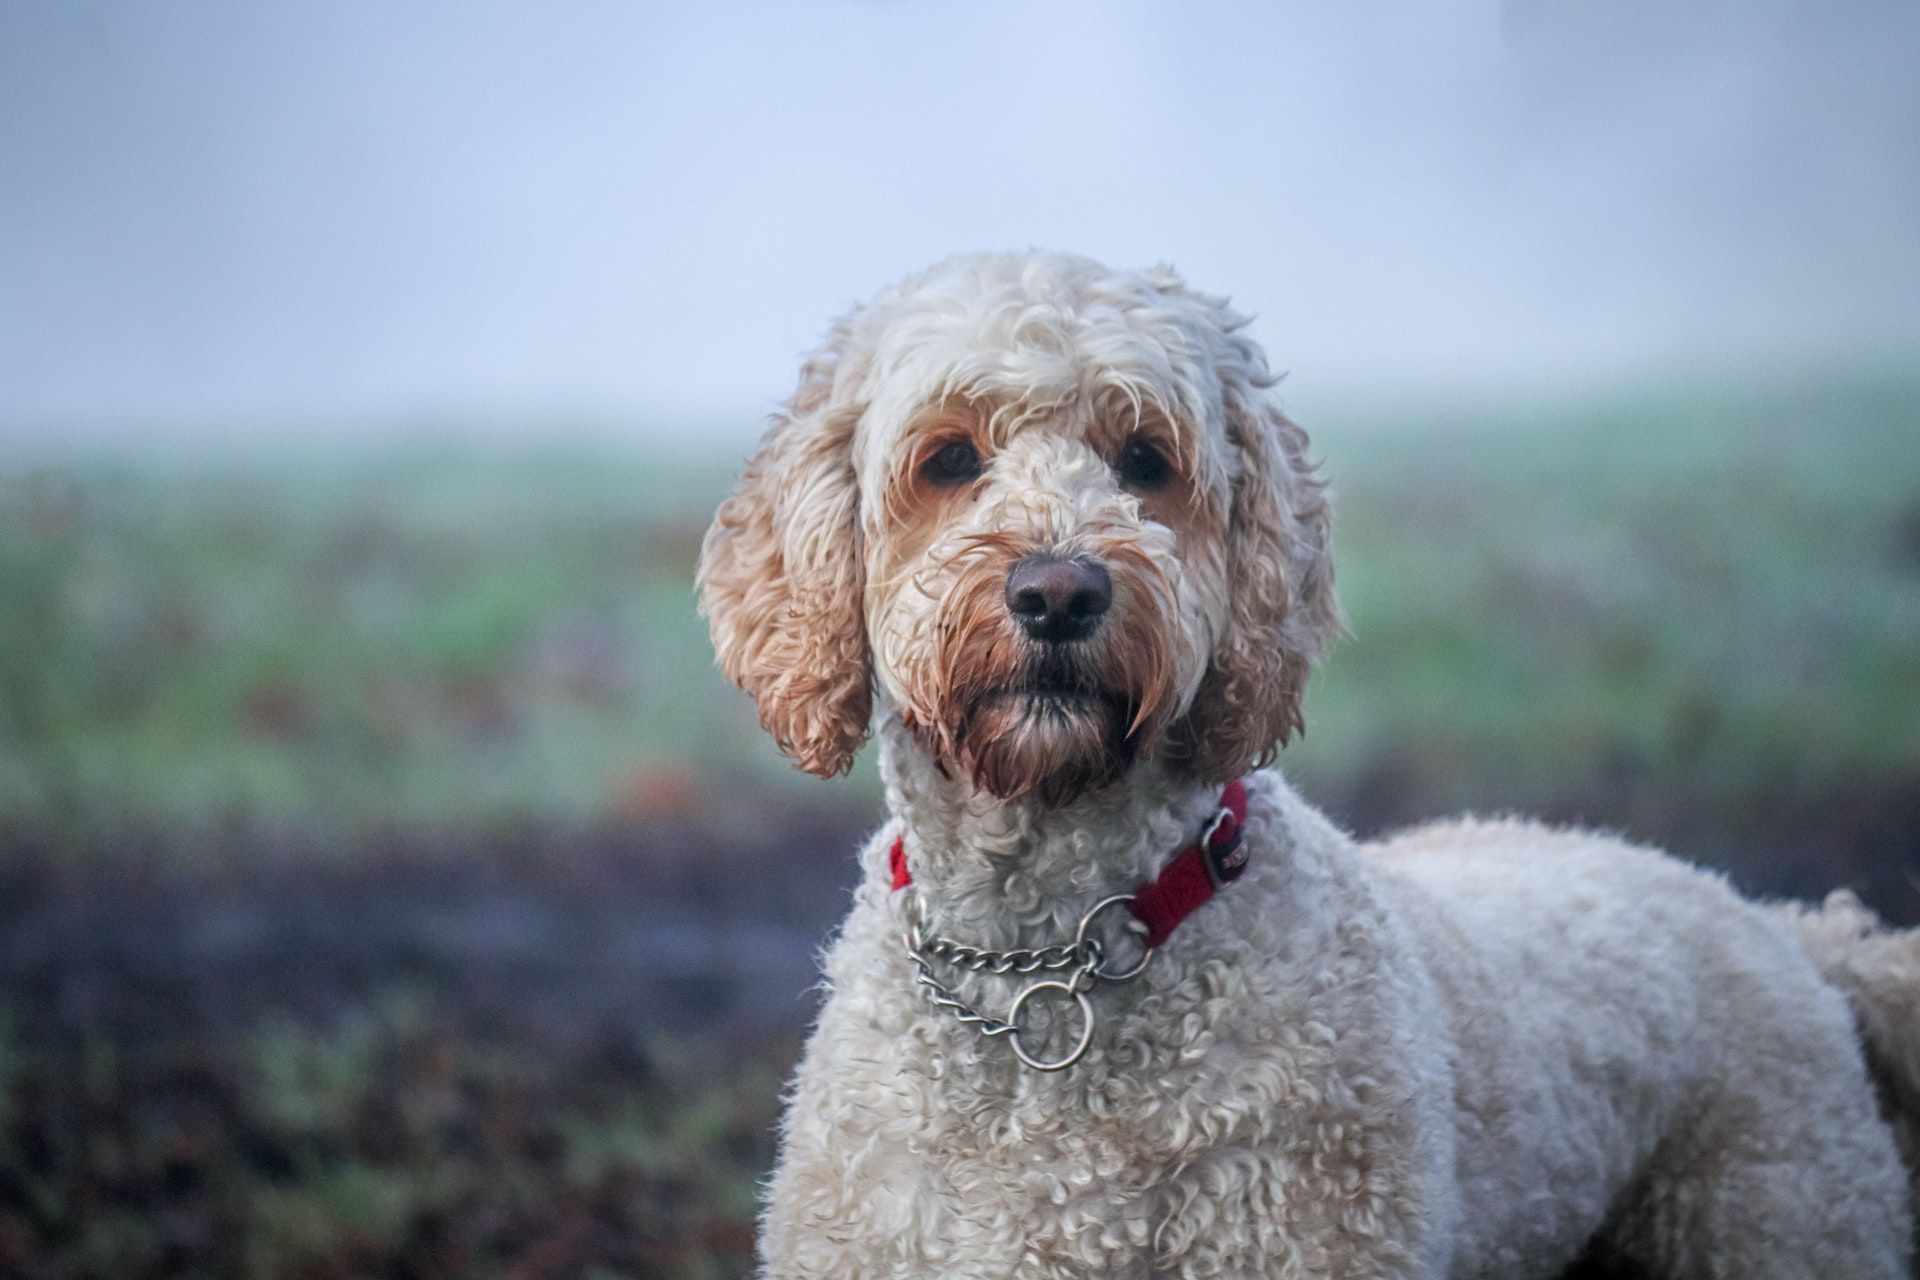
column 1085, row 954
column 1020, row 960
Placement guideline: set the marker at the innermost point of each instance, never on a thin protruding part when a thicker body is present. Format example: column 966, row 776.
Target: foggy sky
column 243, row 211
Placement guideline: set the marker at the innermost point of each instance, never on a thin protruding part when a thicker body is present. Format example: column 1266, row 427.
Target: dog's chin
column 1049, row 743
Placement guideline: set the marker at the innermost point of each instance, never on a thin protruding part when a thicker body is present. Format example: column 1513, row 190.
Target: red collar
column 1190, row 878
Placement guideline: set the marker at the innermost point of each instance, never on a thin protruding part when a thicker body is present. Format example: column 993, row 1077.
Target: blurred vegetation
column 280, row 737
column 1717, row 593
column 391, row 637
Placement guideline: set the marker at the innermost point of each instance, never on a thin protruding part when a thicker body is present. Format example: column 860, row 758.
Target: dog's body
column 1468, row 1052
column 1475, row 1050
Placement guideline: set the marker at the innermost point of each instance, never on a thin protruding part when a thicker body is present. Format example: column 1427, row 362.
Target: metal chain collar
column 1085, row 955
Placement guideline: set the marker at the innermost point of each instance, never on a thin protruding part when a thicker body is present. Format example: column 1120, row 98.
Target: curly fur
column 1878, row 970
column 1479, row 1049
column 782, row 591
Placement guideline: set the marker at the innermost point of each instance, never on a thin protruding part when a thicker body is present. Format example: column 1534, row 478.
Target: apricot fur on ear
column 780, row 580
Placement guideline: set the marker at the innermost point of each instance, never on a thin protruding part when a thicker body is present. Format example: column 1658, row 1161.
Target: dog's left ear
column 780, row 577
column 1281, row 613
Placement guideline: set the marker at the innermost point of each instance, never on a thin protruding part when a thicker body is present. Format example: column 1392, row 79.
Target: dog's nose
column 1058, row 600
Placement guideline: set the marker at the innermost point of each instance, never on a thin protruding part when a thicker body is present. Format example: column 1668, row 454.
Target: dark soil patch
column 667, row 927
column 400, row 1143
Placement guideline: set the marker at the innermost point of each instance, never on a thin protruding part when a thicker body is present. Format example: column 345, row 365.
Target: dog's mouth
column 1052, row 732
column 1058, row 686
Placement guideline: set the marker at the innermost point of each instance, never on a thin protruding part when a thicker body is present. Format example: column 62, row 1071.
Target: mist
column 289, row 220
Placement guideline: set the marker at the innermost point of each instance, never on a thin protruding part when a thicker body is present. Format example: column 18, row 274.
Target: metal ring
column 1100, row 970
column 1080, row 1046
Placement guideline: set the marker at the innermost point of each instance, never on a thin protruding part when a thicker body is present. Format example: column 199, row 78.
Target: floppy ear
column 780, row 578
column 1281, row 612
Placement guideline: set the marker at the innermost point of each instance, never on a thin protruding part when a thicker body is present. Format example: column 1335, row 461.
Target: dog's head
column 1044, row 510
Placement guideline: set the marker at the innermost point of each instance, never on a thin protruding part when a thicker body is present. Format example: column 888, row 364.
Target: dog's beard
column 1021, row 718
column 1054, row 732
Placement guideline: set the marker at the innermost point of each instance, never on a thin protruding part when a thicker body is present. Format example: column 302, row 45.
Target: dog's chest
column 1017, row 1174
column 1199, row 1127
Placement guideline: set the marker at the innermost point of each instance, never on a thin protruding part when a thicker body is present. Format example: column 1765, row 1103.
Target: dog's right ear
column 780, row 577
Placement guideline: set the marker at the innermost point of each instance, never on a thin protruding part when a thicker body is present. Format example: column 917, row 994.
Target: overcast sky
column 237, row 211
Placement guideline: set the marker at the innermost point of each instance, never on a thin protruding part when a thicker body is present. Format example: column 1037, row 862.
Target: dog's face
column 1044, row 510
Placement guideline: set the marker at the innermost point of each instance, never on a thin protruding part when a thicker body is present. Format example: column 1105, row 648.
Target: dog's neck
column 1004, row 873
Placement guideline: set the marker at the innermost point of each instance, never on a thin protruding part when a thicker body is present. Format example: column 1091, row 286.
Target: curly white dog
column 1035, row 524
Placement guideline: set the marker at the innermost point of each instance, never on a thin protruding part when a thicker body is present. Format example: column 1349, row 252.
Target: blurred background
column 388, row 883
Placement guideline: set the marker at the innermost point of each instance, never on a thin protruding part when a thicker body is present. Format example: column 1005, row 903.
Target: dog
column 1112, row 999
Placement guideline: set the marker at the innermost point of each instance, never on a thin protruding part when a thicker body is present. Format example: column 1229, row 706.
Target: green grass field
column 1723, row 584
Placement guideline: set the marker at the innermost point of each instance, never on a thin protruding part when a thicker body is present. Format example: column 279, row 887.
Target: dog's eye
column 1141, row 466
column 954, row 463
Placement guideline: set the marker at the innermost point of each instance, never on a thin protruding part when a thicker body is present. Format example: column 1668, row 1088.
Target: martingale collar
column 1185, row 884
column 1188, row 880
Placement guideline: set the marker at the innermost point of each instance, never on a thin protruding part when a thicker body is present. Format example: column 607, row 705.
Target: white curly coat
column 1478, row 1049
